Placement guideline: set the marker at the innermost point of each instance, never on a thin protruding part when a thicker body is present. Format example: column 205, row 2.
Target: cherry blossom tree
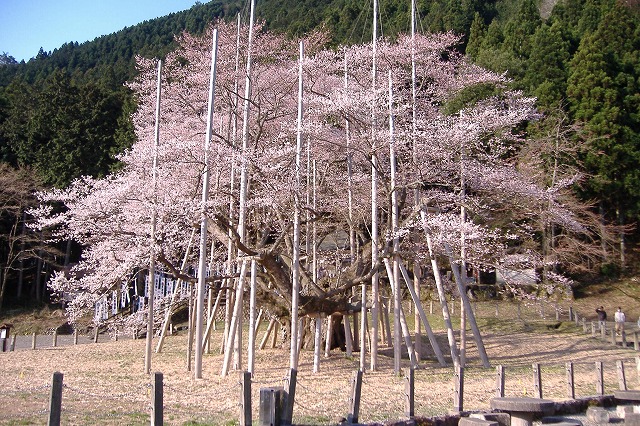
column 458, row 136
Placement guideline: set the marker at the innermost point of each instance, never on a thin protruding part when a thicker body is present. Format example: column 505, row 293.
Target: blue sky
column 27, row 25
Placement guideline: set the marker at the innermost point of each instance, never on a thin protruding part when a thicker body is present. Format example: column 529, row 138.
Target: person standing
column 619, row 318
column 602, row 316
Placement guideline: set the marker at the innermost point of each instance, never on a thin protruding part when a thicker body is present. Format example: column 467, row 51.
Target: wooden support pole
column 593, row 329
column 329, row 337
column 33, row 341
column 500, row 381
column 75, row 336
column 571, row 314
column 537, row 381
column 274, row 338
column 287, row 415
column 157, row 402
column 571, row 389
column 622, row 380
column 409, row 392
column 348, row 337
column 245, row 405
column 584, row 325
column 55, row 400
column 95, row 334
column 599, row 378
column 458, row 393
column 12, row 347
column 317, row 343
column 54, row 338
column 263, row 342
column 354, row 399
column 636, row 346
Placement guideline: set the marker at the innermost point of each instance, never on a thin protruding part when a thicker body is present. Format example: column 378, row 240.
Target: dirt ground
column 104, row 382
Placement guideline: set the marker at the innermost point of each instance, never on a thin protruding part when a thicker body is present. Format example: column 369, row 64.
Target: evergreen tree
column 476, row 35
column 604, row 92
column 546, row 71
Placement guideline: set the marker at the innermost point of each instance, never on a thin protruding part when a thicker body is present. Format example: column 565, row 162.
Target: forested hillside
column 66, row 113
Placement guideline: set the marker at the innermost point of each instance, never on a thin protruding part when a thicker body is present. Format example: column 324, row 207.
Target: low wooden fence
column 278, row 404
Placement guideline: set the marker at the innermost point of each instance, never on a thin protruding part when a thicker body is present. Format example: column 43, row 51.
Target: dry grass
column 105, row 382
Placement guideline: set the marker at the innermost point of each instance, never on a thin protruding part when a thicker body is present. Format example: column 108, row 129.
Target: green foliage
column 469, row 96
column 604, row 93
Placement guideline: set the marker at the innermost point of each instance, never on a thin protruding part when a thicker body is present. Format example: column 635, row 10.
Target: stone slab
column 523, row 404
column 560, row 421
column 627, row 395
column 503, row 419
column 472, row 421
column 598, row 415
column 632, row 419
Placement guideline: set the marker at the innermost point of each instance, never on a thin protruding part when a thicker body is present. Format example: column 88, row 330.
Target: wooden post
column 593, row 329
column 584, row 325
column 348, row 337
column 95, row 334
column 500, row 381
column 622, row 380
column 354, row 400
column 245, row 402
column 613, row 336
column 271, row 401
column 12, row 347
column 409, row 392
column 33, row 341
column 537, row 381
column 623, row 336
column 287, row 416
column 603, row 331
column 571, row 314
column 638, row 366
column 458, row 393
column 55, row 400
column 263, row 342
column 575, row 316
column 635, row 341
column 75, row 336
column 571, row 389
column 274, row 338
column 599, row 378
column 54, row 338
column 157, row 400
column 329, row 337
column 317, row 342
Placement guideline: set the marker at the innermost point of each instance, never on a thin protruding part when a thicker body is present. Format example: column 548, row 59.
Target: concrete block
column 471, row 421
column 598, row 415
column 623, row 410
column 560, row 421
column 503, row 419
column 632, row 419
